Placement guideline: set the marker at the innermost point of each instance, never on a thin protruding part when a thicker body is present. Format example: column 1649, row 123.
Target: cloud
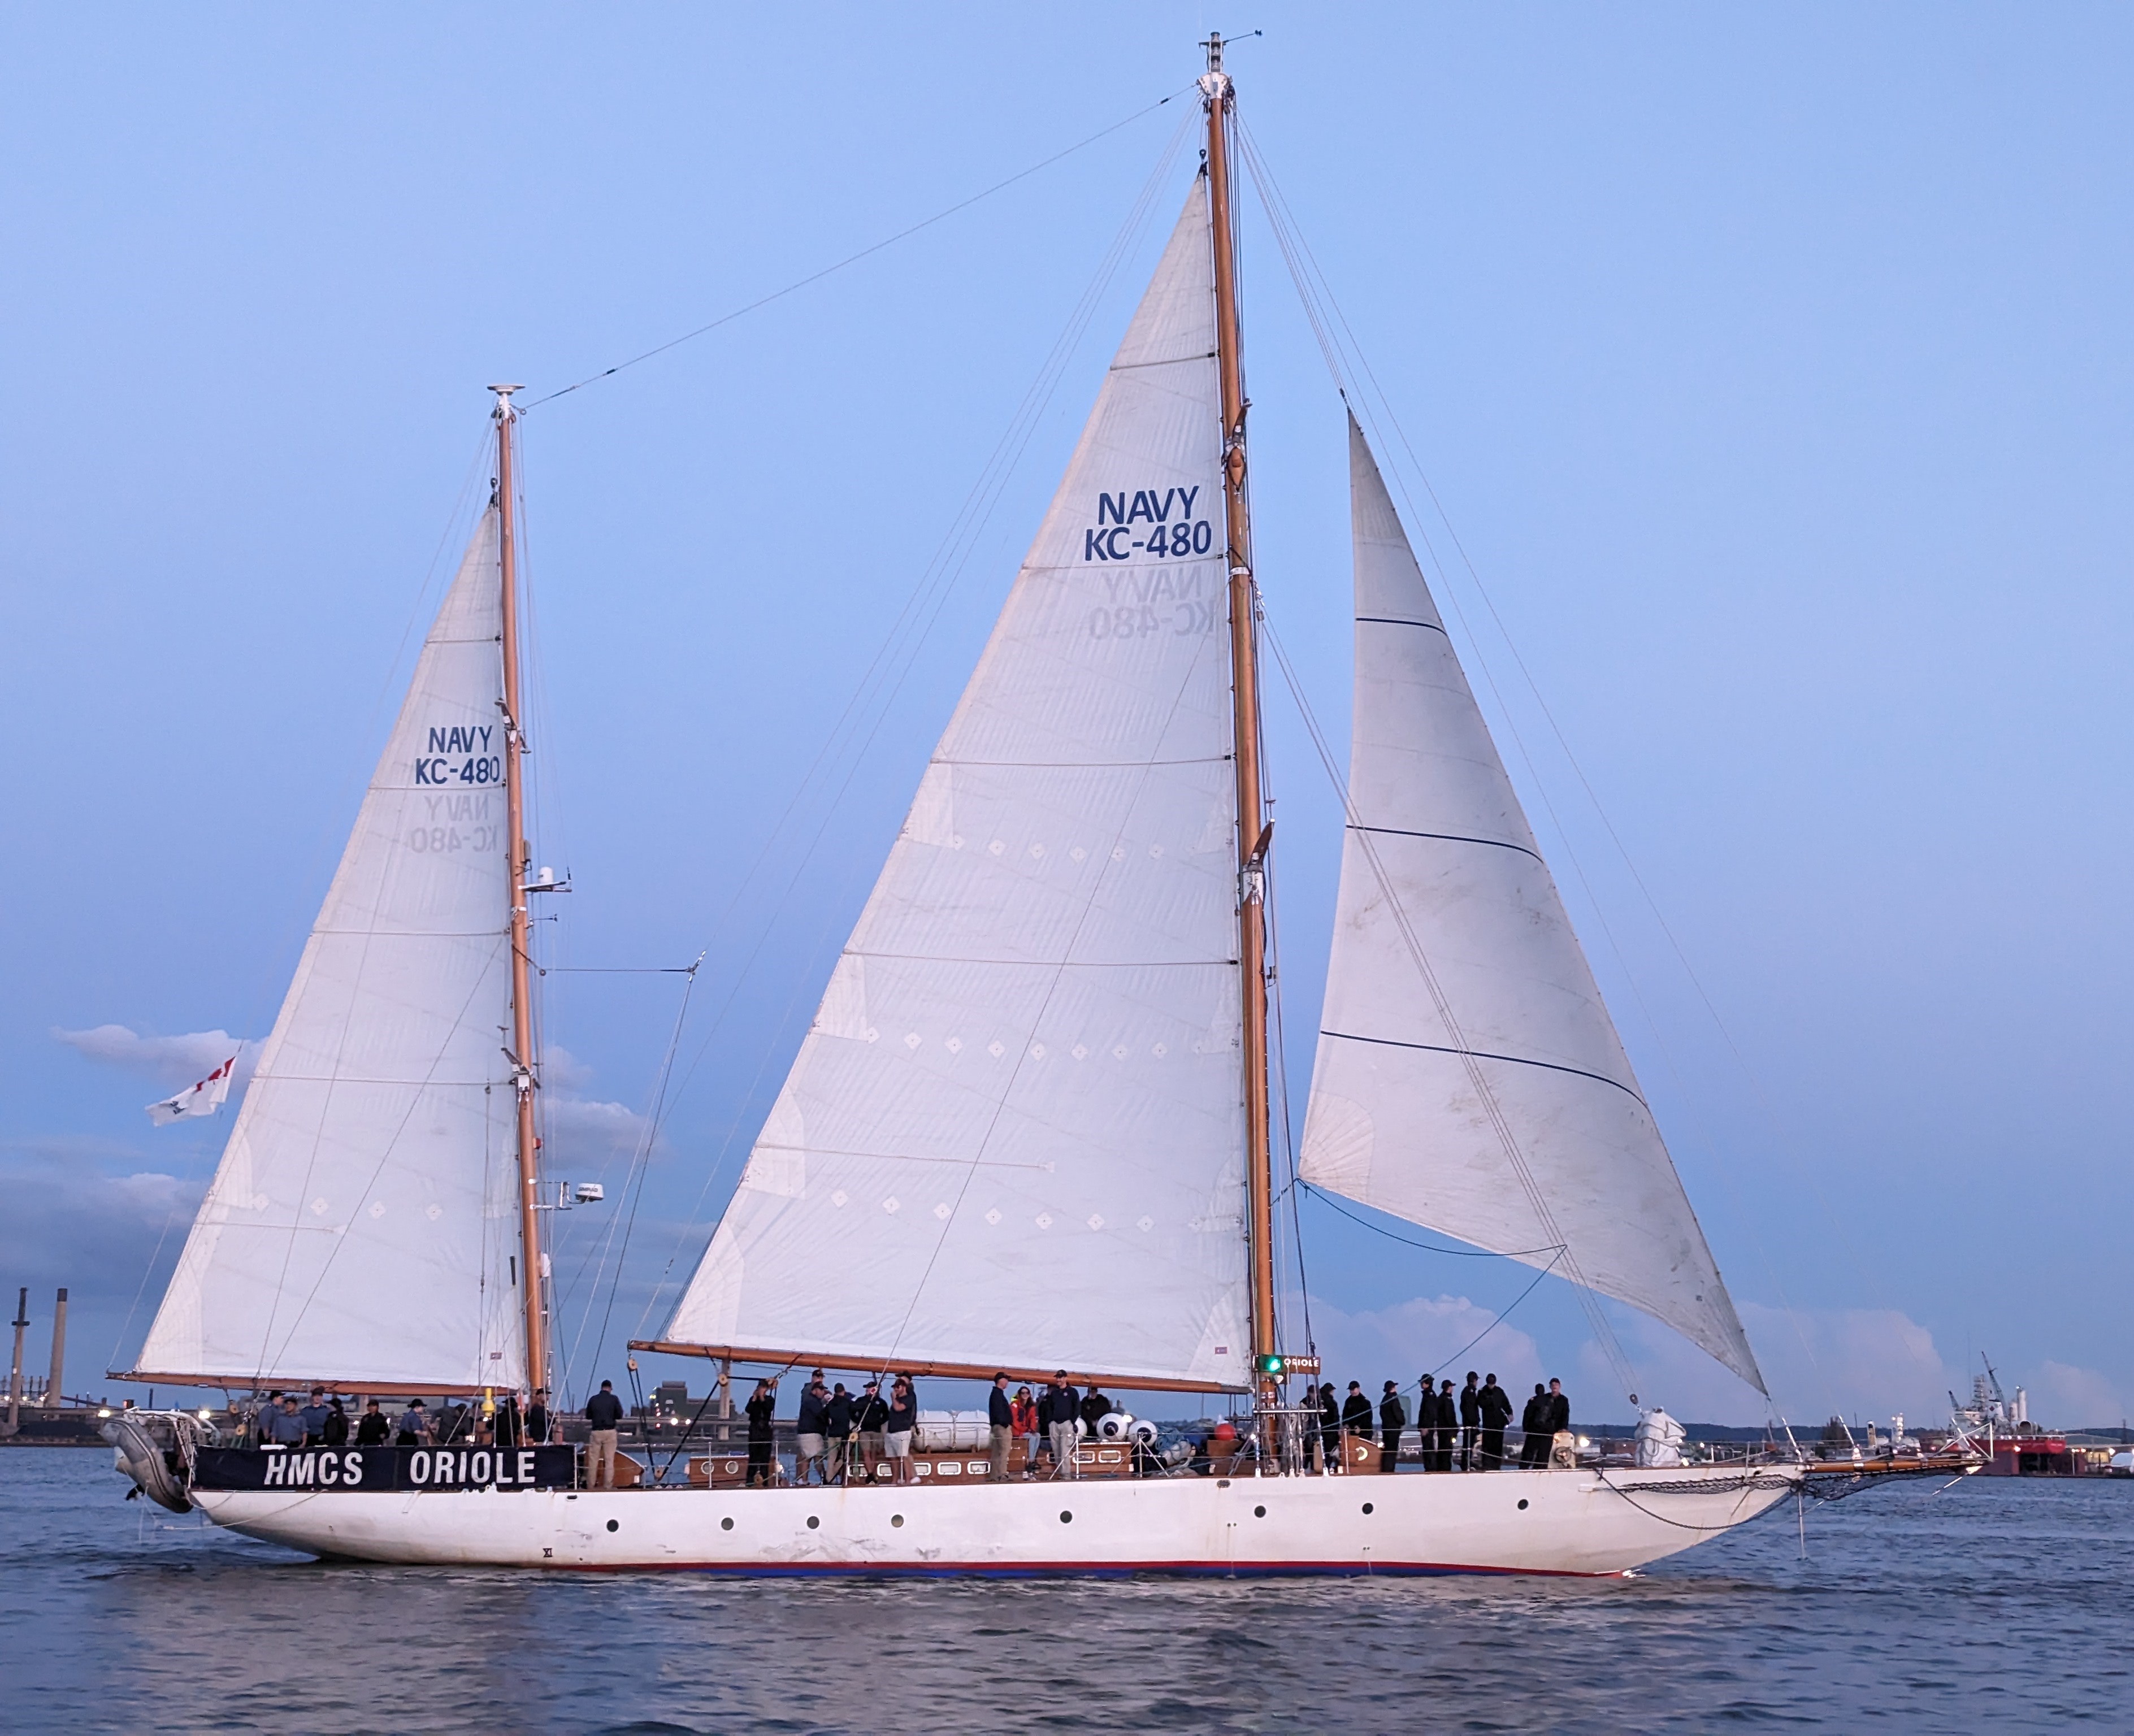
column 587, row 1125
column 1401, row 1342
column 2068, row 1397
column 576, row 1129
column 175, row 1060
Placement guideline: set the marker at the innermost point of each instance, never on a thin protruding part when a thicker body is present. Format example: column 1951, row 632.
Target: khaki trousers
column 599, row 1467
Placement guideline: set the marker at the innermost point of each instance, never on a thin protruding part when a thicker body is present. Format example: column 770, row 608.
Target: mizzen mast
column 1252, row 829
column 523, row 1078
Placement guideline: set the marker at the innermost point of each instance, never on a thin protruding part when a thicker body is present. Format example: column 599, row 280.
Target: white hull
column 1540, row 1522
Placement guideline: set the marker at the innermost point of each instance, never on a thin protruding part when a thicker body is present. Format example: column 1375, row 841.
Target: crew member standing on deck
column 374, row 1430
column 838, row 1431
column 1356, row 1412
column 538, row 1424
column 1470, row 1419
column 603, row 1418
column 1496, row 1405
column 896, row 1431
column 1329, row 1427
column 760, row 1432
column 1000, row 1430
column 1393, row 1418
column 1059, row 1411
column 873, row 1413
column 1533, row 1426
column 807, row 1431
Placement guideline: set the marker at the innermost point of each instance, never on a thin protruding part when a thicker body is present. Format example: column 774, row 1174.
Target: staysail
column 362, row 1225
column 1014, row 1134
column 1468, row 1078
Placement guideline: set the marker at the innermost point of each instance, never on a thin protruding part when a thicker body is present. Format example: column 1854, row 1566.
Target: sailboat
column 1028, row 1129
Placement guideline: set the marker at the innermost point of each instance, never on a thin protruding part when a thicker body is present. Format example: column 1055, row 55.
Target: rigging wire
column 1428, row 1247
column 635, row 1177
column 850, row 259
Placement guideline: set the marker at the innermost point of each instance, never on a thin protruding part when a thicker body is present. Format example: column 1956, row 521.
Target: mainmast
column 521, row 861
column 1253, row 830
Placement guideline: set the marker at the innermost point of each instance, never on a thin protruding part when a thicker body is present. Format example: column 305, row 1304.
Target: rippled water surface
column 1993, row 1606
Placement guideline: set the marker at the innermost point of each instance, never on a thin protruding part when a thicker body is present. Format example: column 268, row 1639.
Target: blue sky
column 1771, row 366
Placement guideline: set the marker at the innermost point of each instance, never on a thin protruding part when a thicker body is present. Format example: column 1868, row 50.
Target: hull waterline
column 1569, row 1523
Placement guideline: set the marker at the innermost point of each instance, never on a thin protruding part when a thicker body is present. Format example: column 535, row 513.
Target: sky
column 1756, row 380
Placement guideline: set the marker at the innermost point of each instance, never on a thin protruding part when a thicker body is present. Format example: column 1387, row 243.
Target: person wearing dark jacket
column 1393, row 1418
column 1095, row 1408
column 1355, row 1416
column 1533, row 1423
column 1000, row 1430
column 510, row 1427
column 761, row 1403
column 1427, row 1422
column 1448, row 1425
column 334, row 1433
column 538, row 1424
column 1559, row 1413
column 1057, row 1413
column 869, row 1415
column 373, row 1430
column 1470, row 1419
column 1329, row 1427
column 603, row 1418
column 807, row 1431
column 1496, row 1405
column 838, row 1431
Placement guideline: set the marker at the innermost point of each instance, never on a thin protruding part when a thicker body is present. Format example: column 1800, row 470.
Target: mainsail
column 362, row 1226
column 1015, row 1134
column 1468, row 1078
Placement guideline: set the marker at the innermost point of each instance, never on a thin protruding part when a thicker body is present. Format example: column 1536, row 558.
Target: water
column 1996, row 1605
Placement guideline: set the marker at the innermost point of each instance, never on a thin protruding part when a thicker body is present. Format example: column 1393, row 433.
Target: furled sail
column 362, row 1226
column 1468, row 1078
column 1014, row 1134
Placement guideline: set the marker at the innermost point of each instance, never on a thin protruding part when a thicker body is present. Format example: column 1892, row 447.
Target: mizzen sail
column 1015, row 1134
column 1468, row 1078
column 362, row 1225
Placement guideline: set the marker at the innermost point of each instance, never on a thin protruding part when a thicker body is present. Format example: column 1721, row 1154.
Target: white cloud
column 2068, row 1397
column 1401, row 1342
column 585, row 1126
column 175, row 1060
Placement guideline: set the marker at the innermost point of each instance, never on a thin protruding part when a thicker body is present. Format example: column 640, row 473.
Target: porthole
column 614, row 1525
column 726, row 1525
column 1066, row 1518
column 1366, row 1506
column 896, row 1518
column 814, row 1523
column 1523, row 1507
column 1259, row 1512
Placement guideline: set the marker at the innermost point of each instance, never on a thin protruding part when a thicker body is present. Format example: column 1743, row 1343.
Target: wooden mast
column 522, row 1014
column 1253, row 830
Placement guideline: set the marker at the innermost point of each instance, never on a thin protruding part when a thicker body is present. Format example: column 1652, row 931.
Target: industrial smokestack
column 59, row 1351
column 15, row 1368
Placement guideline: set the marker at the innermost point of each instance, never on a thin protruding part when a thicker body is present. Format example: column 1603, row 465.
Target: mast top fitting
column 503, row 400
column 1214, row 83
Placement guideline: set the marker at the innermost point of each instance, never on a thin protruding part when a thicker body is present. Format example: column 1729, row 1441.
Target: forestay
column 362, row 1224
column 1014, row 1134
column 1468, row 1078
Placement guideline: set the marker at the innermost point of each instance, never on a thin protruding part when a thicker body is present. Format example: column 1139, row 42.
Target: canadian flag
column 203, row 1097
